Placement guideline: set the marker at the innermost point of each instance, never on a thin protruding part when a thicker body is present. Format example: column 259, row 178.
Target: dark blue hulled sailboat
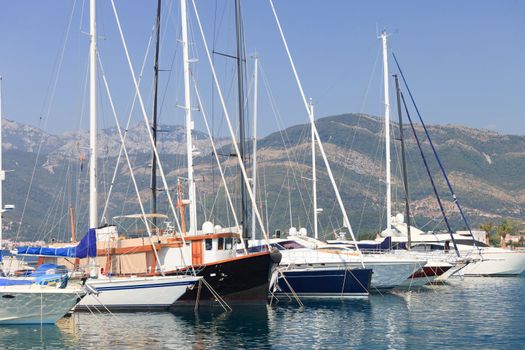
column 330, row 282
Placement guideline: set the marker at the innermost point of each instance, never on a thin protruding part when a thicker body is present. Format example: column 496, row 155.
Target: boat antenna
column 404, row 162
column 154, row 117
column 240, row 94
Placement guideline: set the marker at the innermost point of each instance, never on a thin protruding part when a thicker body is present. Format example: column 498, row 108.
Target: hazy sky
column 464, row 59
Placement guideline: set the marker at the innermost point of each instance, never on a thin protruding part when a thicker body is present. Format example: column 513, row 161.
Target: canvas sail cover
column 87, row 247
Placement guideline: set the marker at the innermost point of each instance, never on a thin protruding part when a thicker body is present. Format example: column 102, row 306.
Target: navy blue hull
column 326, row 282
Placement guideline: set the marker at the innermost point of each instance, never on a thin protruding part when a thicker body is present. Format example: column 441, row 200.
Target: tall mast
column 188, row 119
column 404, row 161
column 93, row 215
column 240, row 93
column 314, row 174
column 387, row 134
column 154, row 118
column 2, row 173
column 254, row 157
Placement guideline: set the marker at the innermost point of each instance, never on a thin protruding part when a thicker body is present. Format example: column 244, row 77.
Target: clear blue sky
column 464, row 59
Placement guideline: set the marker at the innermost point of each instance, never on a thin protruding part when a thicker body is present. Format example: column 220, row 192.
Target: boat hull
column 244, row 279
column 325, row 283
column 136, row 293
column 496, row 262
column 425, row 275
column 36, row 304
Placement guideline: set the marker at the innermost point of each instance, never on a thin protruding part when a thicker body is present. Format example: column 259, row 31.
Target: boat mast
column 2, row 173
column 188, row 119
column 404, row 161
column 314, row 172
column 387, row 133
column 93, row 215
column 240, row 93
column 154, row 117
column 254, row 166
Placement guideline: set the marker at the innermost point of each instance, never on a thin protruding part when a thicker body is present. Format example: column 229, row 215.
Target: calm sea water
column 482, row 313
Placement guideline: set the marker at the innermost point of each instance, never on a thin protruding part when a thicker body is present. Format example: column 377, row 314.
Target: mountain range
column 47, row 175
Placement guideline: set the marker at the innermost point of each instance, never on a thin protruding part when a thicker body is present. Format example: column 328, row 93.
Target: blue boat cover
column 14, row 282
column 86, row 247
column 386, row 244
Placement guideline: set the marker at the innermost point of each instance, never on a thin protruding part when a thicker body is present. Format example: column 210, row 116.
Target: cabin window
column 208, row 243
column 229, row 243
column 221, row 244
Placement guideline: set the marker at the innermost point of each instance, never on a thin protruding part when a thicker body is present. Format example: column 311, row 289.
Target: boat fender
column 275, row 255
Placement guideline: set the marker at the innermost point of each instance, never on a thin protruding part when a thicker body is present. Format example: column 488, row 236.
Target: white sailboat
column 32, row 300
column 475, row 258
column 435, row 266
column 122, row 292
column 486, row 260
column 114, row 292
column 388, row 272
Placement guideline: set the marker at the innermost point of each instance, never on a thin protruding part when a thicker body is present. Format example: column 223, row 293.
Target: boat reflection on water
column 213, row 328
column 399, row 319
column 63, row 334
column 340, row 323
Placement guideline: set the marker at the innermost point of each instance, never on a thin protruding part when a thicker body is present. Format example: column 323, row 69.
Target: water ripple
column 484, row 313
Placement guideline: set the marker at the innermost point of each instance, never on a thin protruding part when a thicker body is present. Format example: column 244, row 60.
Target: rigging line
column 79, row 188
column 230, row 128
column 368, row 192
column 230, row 202
column 161, row 268
column 277, row 115
column 415, row 170
column 430, row 175
column 146, row 123
column 54, row 83
column 452, row 193
column 128, row 122
column 170, row 70
column 51, row 88
column 359, row 117
column 274, row 207
column 316, row 134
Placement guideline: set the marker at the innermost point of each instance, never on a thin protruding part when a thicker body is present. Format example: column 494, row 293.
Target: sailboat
column 111, row 291
column 209, row 254
column 299, row 249
column 434, row 267
column 39, row 298
column 474, row 258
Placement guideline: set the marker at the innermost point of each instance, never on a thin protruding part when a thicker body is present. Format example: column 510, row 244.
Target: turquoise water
column 483, row 313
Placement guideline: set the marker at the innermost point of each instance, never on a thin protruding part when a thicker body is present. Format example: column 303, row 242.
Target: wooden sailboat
column 210, row 253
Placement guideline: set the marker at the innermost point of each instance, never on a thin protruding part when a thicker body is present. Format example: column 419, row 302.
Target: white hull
column 456, row 269
column 496, row 262
column 488, row 261
column 136, row 293
column 34, row 304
